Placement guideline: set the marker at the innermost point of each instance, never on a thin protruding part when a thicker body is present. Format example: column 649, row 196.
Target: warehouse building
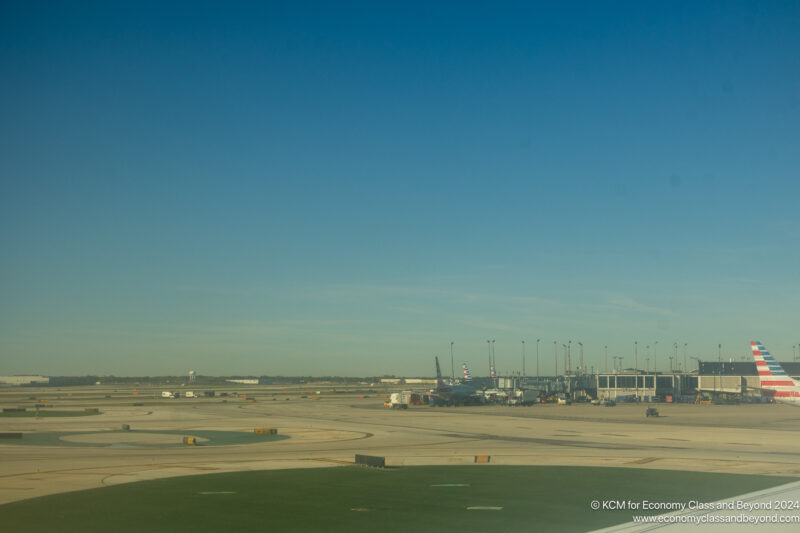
column 23, row 380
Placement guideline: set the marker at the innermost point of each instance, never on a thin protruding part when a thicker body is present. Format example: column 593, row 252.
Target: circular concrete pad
column 127, row 438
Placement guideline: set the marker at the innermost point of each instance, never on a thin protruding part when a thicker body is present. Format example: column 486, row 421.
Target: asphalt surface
column 330, row 430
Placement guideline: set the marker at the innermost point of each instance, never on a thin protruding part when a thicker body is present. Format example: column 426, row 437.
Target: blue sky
column 309, row 188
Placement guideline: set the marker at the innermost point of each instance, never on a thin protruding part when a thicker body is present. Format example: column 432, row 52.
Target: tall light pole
column 655, row 357
column 537, row 360
column 636, row 366
column 452, row 367
column 569, row 357
column 494, row 359
column 675, row 344
column 685, row 361
column 647, row 359
column 523, row 359
column 489, row 346
column 555, row 351
column 581, row 345
column 606, row 347
column 566, row 365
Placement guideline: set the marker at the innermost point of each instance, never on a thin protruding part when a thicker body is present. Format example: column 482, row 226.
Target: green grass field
column 354, row 499
column 44, row 413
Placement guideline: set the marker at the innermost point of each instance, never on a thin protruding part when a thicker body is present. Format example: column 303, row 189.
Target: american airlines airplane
column 452, row 394
column 775, row 382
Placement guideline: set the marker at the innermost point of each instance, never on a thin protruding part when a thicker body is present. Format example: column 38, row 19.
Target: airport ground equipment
column 265, row 431
column 170, row 394
column 523, row 397
column 651, row 411
column 400, row 400
column 370, row 460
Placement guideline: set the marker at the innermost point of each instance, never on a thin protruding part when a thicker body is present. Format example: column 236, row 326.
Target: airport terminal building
column 645, row 386
column 737, row 379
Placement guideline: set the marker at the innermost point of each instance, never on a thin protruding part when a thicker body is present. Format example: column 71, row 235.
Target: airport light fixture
column 494, row 360
column 537, row 360
column 675, row 344
column 452, row 367
column 489, row 346
column 523, row 359
column 555, row 351
column 636, row 365
column 581, row 345
column 569, row 357
column 655, row 357
column 685, row 362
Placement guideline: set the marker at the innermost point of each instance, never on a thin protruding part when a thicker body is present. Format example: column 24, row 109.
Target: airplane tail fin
column 491, row 371
column 439, row 380
column 467, row 375
column 774, row 379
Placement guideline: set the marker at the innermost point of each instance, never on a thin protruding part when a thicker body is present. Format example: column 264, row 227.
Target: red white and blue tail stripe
column 467, row 375
column 775, row 382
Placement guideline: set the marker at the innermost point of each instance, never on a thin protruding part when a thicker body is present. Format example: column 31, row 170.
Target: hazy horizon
column 320, row 189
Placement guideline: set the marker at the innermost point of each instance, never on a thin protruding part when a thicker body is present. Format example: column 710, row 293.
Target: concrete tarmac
column 746, row 439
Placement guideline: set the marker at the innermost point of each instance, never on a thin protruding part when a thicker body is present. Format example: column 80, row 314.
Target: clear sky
column 345, row 188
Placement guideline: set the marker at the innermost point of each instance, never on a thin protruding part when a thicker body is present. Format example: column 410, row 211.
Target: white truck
column 190, row 394
column 524, row 397
column 400, row 400
column 169, row 394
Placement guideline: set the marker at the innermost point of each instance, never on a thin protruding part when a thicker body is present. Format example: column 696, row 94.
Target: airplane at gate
column 452, row 394
column 775, row 382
